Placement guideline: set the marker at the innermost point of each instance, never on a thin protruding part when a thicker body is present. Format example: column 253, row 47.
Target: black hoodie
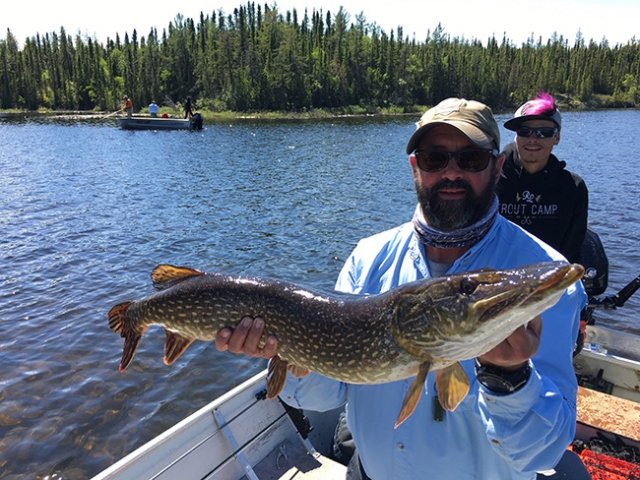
column 552, row 204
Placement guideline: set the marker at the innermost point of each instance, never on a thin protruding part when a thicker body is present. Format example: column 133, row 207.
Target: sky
column 615, row 20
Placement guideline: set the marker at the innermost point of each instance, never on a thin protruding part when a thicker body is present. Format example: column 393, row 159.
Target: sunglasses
column 541, row 132
column 468, row 159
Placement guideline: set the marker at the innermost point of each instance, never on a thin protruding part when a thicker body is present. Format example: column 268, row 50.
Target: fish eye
column 468, row 286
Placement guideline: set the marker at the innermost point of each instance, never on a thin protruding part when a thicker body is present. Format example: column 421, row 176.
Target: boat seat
column 606, row 412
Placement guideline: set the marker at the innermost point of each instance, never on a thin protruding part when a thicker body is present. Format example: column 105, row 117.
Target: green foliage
column 259, row 59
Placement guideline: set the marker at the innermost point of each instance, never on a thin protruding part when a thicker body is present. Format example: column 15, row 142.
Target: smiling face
column 533, row 151
column 453, row 198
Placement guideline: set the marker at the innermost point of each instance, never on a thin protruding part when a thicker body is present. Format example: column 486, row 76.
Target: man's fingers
column 246, row 339
column 222, row 338
column 237, row 341
column 271, row 348
column 252, row 342
column 536, row 325
column 525, row 340
column 518, row 347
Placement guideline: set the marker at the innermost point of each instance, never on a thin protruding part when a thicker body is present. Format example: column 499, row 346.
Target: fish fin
column 297, row 371
column 411, row 399
column 276, row 376
column 453, row 386
column 174, row 346
column 118, row 323
column 165, row 276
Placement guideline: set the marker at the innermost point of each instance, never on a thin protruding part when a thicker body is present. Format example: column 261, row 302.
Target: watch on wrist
column 500, row 380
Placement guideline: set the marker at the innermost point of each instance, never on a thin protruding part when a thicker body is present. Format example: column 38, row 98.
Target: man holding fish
column 519, row 414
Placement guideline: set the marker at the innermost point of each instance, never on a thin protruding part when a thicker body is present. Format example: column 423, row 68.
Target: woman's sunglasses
column 468, row 159
column 541, row 132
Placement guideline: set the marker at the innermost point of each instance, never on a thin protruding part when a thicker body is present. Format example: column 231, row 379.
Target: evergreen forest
column 260, row 59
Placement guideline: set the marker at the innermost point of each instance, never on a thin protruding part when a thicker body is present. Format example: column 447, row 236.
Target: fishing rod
column 113, row 113
column 618, row 300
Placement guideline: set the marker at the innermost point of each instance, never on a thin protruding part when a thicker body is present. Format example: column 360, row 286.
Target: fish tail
column 119, row 324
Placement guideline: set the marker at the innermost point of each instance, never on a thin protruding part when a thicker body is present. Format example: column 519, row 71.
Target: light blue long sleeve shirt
column 488, row 436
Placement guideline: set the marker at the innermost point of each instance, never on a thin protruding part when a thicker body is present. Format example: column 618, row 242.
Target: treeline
column 260, row 59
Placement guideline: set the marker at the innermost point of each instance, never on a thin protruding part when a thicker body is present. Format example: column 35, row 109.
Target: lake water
column 87, row 210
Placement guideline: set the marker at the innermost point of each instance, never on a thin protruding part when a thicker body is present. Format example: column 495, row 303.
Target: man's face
column 453, row 198
column 533, row 151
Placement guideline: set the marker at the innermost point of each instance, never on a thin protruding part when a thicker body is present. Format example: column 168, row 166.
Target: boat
column 243, row 435
column 240, row 434
column 160, row 123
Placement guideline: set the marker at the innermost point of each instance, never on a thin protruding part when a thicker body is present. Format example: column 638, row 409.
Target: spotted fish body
column 430, row 324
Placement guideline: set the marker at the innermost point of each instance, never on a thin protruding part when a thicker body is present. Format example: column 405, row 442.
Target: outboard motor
column 595, row 280
column 196, row 121
column 595, row 263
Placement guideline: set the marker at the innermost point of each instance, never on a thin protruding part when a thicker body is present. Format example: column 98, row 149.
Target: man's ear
column 557, row 138
column 414, row 164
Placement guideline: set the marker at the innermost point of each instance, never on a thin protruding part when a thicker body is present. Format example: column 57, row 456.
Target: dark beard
column 452, row 215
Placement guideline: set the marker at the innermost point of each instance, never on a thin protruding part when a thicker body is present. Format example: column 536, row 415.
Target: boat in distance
column 160, row 123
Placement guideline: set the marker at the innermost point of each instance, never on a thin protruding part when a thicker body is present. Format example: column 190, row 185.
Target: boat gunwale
column 154, row 123
column 168, row 435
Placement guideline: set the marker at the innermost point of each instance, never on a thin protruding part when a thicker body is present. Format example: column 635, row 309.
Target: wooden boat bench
column 598, row 411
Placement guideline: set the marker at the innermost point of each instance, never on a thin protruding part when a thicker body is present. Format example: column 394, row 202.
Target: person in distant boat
column 128, row 106
column 153, row 109
column 535, row 190
column 188, row 108
column 520, row 413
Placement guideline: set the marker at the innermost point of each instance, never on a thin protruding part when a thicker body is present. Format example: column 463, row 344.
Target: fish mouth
column 550, row 284
column 562, row 278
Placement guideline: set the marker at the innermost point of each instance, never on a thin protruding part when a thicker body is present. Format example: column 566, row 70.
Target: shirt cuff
column 514, row 405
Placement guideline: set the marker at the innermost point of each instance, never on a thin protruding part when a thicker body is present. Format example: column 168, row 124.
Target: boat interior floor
column 291, row 461
column 618, row 416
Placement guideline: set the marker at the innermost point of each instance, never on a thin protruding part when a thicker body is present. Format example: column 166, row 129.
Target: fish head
column 462, row 316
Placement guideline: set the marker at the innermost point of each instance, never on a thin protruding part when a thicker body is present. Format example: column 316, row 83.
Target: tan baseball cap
column 474, row 119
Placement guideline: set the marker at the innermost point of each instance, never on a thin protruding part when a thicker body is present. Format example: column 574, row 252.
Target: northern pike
column 429, row 324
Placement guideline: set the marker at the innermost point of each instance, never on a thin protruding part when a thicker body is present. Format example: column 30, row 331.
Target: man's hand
column 517, row 348
column 246, row 339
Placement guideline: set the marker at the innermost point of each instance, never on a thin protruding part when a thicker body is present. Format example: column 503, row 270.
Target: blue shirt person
column 456, row 227
column 153, row 109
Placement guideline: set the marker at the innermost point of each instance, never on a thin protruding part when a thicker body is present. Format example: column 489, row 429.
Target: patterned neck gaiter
column 464, row 237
